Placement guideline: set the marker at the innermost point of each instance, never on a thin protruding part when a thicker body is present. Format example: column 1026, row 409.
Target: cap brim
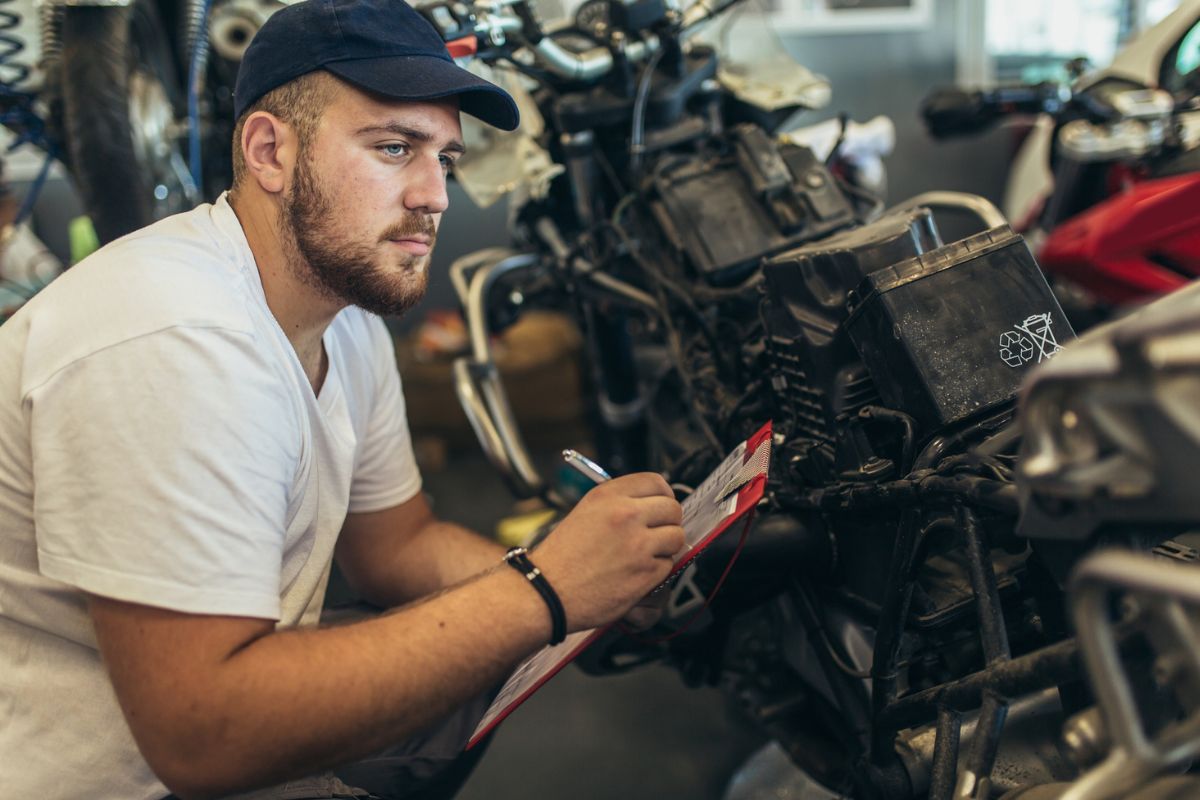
column 431, row 78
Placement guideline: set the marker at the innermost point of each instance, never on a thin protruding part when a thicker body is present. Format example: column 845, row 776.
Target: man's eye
column 394, row 149
column 447, row 163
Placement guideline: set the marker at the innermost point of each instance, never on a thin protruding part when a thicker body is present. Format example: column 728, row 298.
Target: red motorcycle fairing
column 1135, row 246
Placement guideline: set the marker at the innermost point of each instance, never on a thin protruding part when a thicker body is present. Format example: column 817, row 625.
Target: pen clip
column 585, row 466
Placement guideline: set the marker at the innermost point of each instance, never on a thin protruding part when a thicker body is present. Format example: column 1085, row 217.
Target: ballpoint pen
column 586, row 467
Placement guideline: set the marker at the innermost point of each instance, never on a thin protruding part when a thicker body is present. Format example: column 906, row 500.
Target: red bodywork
column 1135, row 246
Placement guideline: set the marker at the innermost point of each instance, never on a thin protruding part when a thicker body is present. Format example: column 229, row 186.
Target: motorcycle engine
column 883, row 344
column 880, row 352
column 886, row 314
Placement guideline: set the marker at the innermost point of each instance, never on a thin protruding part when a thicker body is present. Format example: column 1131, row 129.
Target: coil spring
column 51, row 19
column 196, row 33
column 17, row 111
column 197, row 52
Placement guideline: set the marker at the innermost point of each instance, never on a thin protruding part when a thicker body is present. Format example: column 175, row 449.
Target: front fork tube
column 620, row 407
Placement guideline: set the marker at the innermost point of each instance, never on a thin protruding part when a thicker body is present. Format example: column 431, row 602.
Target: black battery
column 951, row 334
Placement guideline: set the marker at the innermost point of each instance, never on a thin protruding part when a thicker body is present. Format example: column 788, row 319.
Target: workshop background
column 644, row 735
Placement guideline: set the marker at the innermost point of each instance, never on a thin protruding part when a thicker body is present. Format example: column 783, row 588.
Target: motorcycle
column 137, row 99
column 1106, row 182
column 898, row 621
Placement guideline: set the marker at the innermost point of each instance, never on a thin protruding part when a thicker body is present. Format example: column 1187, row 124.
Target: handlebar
column 952, row 111
column 510, row 25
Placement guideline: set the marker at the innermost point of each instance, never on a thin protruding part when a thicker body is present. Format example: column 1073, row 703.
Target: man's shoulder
column 177, row 274
column 181, row 263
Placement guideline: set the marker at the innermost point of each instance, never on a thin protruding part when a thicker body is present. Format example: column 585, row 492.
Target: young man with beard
column 195, row 421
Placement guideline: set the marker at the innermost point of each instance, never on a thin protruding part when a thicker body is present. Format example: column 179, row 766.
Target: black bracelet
column 518, row 559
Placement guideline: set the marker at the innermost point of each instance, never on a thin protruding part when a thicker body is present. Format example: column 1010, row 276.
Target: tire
column 121, row 95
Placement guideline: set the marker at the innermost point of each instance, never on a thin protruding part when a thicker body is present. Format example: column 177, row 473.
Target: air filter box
column 951, row 333
column 724, row 216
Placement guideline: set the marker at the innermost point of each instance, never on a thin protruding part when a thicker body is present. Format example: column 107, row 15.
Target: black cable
column 877, row 204
column 641, row 99
column 753, row 391
column 844, row 121
column 835, row 656
column 684, row 299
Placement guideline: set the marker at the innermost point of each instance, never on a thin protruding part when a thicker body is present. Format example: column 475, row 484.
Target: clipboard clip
column 754, row 463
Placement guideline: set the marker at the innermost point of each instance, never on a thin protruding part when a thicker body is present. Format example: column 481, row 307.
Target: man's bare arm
column 401, row 553
column 218, row 704
column 222, row 704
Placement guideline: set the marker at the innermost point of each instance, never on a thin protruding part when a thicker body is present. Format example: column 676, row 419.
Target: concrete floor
column 639, row 736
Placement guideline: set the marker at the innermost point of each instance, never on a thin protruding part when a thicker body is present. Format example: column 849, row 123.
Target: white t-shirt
column 160, row 444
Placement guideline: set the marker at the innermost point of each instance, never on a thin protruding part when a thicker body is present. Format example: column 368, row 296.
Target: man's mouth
column 416, row 245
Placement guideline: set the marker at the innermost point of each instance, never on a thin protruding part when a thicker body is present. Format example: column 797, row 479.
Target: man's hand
column 647, row 613
column 614, row 548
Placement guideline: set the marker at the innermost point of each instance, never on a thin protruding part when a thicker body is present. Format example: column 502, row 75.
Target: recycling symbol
column 1017, row 346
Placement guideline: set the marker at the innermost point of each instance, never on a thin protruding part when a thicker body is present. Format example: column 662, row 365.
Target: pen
column 586, row 467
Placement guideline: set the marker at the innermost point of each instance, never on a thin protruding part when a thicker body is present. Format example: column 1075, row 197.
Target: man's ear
column 269, row 149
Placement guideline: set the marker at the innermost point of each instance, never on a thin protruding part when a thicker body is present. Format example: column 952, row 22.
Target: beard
column 342, row 269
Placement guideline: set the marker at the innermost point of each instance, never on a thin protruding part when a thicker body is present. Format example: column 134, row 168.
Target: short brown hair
column 299, row 103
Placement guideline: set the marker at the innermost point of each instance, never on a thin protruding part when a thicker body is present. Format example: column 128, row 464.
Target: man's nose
column 427, row 188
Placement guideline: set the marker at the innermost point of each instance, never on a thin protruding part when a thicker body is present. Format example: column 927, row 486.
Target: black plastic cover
column 725, row 216
column 600, row 106
column 636, row 15
column 950, row 334
column 815, row 365
column 822, row 274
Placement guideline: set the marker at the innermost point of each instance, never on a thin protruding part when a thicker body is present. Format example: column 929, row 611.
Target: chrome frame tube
column 481, row 392
column 981, row 207
column 1133, row 758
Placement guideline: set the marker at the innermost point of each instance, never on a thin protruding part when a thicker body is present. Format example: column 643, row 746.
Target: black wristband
column 518, row 559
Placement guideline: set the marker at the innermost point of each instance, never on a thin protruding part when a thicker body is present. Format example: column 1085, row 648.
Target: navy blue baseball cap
column 383, row 46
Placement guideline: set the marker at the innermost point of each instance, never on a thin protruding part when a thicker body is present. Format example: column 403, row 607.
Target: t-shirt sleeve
column 385, row 473
column 163, row 467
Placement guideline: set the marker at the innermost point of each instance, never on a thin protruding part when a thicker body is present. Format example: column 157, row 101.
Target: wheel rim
column 156, row 138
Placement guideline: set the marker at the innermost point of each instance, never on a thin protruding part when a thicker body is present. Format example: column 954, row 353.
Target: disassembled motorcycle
column 897, row 622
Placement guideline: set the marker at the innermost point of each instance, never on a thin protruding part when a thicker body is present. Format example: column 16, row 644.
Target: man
column 197, row 419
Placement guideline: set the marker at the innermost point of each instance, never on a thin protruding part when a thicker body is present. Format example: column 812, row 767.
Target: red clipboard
column 734, row 489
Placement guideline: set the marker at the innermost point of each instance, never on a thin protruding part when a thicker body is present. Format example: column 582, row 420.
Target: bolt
column 1086, row 737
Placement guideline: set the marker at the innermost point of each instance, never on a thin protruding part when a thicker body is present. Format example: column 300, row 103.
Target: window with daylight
column 1032, row 40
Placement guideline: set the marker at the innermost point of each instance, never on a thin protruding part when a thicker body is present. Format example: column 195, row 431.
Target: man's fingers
column 660, row 511
column 668, row 540
column 641, row 618
column 641, row 484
